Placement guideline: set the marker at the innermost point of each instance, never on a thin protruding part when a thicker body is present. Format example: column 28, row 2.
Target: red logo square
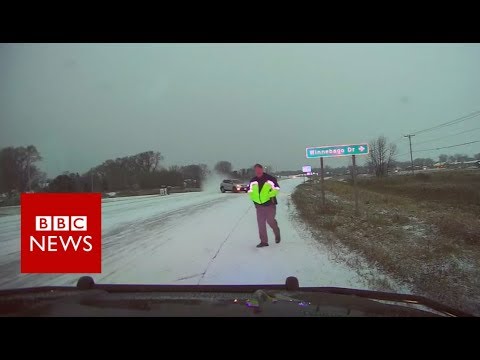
column 61, row 233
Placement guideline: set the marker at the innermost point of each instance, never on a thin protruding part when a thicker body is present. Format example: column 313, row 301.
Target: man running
column 263, row 190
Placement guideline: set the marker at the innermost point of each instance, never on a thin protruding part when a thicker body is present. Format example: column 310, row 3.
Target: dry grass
column 464, row 227
column 428, row 245
column 449, row 187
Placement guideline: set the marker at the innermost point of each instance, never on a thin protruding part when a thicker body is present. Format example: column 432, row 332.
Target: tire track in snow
column 123, row 244
column 133, row 233
column 223, row 243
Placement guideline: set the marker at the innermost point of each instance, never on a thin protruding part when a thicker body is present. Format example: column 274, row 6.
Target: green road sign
column 336, row 150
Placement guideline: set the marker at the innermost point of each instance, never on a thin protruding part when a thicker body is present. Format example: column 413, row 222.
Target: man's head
column 258, row 170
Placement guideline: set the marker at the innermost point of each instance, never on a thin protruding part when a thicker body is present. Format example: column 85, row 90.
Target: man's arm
column 275, row 187
column 250, row 184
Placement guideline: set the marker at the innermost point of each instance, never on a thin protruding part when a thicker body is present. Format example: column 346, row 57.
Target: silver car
column 233, row 185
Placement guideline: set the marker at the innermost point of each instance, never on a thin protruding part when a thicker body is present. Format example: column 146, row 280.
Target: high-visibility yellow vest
column 265, row 194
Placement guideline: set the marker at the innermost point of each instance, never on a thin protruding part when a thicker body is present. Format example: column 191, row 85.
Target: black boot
column 277, row 238
column 262, row 244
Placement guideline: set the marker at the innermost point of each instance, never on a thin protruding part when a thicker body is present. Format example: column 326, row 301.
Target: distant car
column 233, row 185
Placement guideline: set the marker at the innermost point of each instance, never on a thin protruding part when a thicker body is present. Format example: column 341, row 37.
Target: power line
column 447, row 147
column 451, row 122
column 443, row 147
column 447, row 136
column 448, row 123
column 397, row 140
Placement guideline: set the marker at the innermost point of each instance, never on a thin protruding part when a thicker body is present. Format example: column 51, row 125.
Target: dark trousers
column 266, row 214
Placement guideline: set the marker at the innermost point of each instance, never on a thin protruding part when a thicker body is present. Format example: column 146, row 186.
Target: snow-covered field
column 190, row 238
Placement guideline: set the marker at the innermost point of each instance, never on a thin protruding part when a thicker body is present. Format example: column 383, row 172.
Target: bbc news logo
column 61, row 223
column 61, row 233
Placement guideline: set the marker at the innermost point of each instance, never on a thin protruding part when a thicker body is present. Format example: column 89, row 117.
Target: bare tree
column 204, row 169
column 223, row 167
column 147, row 161
column 194, row 172
column 62, row 183
column 381, row 156
column 31, row 156
column 461, row 157
column 17, row 168
column 443, row 158
column 246, row 173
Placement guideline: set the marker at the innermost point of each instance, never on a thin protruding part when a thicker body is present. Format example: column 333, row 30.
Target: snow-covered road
column 190, row 238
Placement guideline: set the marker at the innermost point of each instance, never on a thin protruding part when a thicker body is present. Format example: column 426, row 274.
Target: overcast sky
column 81, row 104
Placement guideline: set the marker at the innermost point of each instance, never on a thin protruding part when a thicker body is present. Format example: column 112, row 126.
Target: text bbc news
column 58, row 242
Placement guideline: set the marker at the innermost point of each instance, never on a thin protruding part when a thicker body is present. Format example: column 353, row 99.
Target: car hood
column 90, row 299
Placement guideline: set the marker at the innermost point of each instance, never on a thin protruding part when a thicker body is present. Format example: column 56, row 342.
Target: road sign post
column 355, row 190
column 322, row 183
column 336, row 151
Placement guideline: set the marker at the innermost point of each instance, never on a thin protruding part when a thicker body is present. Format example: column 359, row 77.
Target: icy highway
column 190, row 238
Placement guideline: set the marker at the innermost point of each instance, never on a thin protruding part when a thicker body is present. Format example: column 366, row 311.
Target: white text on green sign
column 337, row 150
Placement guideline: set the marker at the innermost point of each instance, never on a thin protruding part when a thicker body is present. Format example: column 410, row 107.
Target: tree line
column 19, row 172
column 382, row 158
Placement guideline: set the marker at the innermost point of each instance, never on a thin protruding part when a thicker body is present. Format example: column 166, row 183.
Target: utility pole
column 92, row 180
column 355, row 190
column 411, row 155
column 322, row 182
